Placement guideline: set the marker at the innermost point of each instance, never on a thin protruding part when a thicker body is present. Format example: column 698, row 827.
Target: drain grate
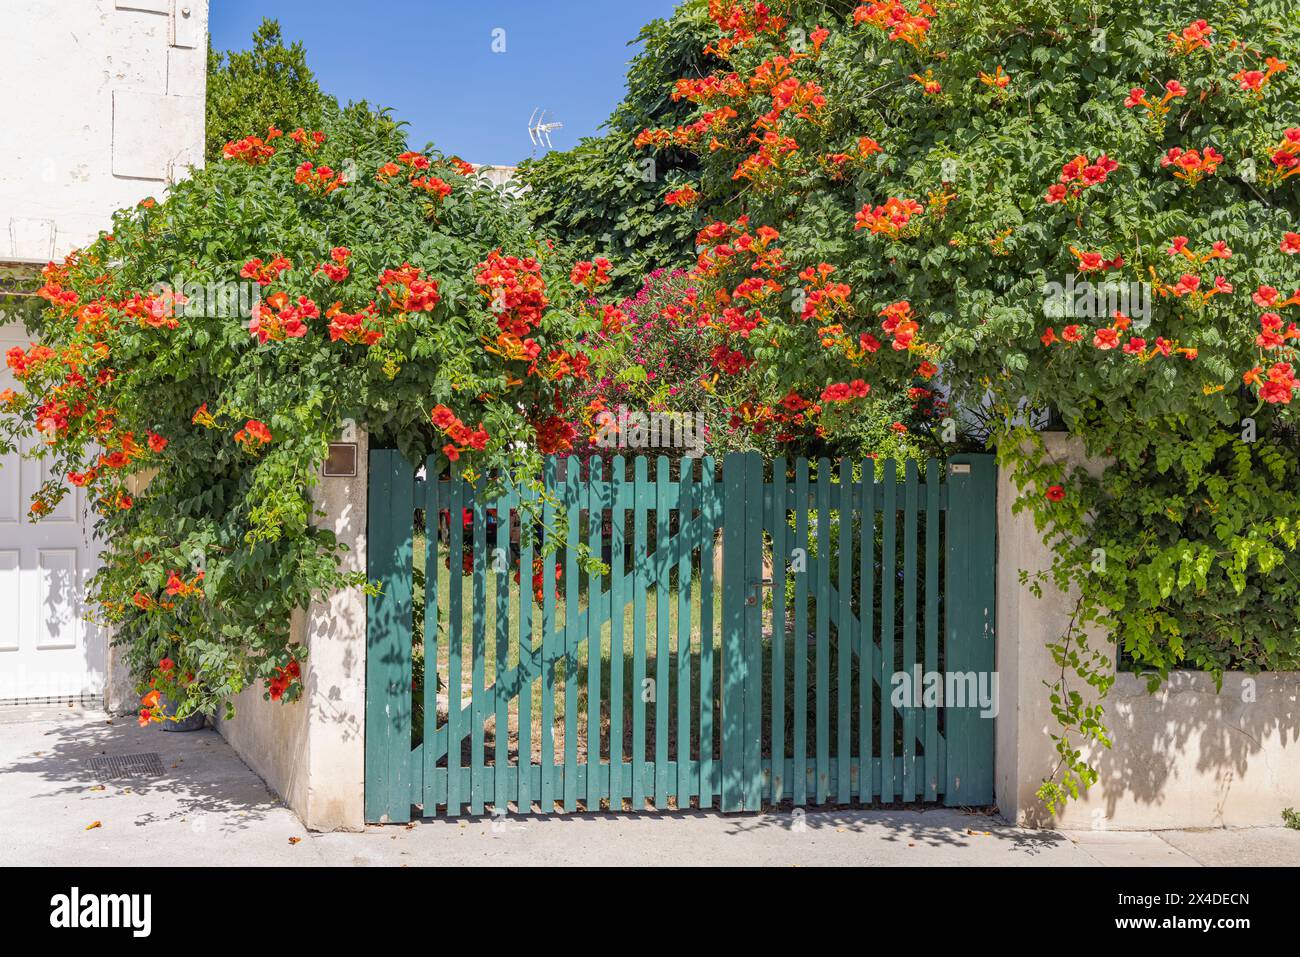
column 112, row 766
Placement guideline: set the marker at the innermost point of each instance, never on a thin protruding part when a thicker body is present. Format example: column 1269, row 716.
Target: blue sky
column 432, row 61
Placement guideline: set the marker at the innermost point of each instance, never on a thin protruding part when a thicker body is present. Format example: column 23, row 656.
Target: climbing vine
column 194, row 363
column 1082, row 209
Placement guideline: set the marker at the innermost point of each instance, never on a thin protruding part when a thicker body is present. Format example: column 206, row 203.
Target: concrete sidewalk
column 208, row 808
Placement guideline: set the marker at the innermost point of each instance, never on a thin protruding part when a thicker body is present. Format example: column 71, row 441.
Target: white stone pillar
column 312, row 752
column 1025, row 754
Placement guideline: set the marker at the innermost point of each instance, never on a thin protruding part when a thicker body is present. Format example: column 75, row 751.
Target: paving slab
column 1238, row 846
column 1129, row 849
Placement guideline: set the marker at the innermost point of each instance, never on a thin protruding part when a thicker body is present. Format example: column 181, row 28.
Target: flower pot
column 194, row 722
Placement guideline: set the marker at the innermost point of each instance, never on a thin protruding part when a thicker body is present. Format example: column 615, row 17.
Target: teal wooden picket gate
column 729, row 639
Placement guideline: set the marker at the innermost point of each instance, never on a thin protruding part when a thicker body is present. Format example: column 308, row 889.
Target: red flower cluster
column 554, row 435
column 1192, row 166
column 1095, row 261
column 1286, row 157
column 761, row 167
column 179, row 587
column 539, row 577
column 729, row 361
column 1156, row 109
column 265, row 273
column 432, row 185
column 253, row 436
column 717, row 86
column 741, row 22
column 899, row 324
column 311, row 142
column 279, row 318
column 895, row 19
column 462, row 436
column 891, row 219
column 1254, row 81
column 929, row 85
column 823, row 299
column 23, row 363
column 685, row 197
column 845, row 391
column 357, row 329
column 1110, row 337
column 1192, row 38
column 150, row 707
column 1271, row 335
column 590, row 275
column 1080, row 174
column 1178, row 246
column 408, row 290
column 515, row 291
column 416, row 164
column 1277, row 385
column 284, row 678
column 337, row 269
column 252, row 150
column 692, row 134
column 320, row 180
column 724, row 243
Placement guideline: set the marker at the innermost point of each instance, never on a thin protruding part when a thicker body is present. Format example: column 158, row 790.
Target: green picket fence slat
column 909, row 622
column 478, row 651
column 573, row 506
column 777, row 523
column 617, row 593
column 662, row 570
column 455, row 643
column 640, row 582
column 595, row 529
column 685, row 516
column 432, row 796
column 844, row 637
column 867, row 634
column 710, row 517
column 803, row 570
column 499, row 560
column 931, row 623
column 823, row 664
column 734, row 662
column 524, row 643
column 547, row 779
column 888, row 583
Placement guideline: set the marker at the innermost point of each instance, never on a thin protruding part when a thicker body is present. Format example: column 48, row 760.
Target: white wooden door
column 48, row 650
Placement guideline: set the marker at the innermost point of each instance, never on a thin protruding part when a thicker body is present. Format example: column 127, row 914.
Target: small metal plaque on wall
column 341, row 462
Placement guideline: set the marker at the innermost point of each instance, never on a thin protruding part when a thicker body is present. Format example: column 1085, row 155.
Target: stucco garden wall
column 1184, row 757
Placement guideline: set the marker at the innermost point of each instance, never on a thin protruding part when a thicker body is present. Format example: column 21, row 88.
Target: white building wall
column 101, row 105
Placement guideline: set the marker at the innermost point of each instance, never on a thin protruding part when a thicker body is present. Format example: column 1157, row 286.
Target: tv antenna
column 539, row 131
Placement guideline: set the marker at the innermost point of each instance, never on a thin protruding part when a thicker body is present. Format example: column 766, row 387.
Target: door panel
column 47, row 648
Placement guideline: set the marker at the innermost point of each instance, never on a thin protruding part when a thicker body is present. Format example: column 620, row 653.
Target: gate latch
column 754, row 588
